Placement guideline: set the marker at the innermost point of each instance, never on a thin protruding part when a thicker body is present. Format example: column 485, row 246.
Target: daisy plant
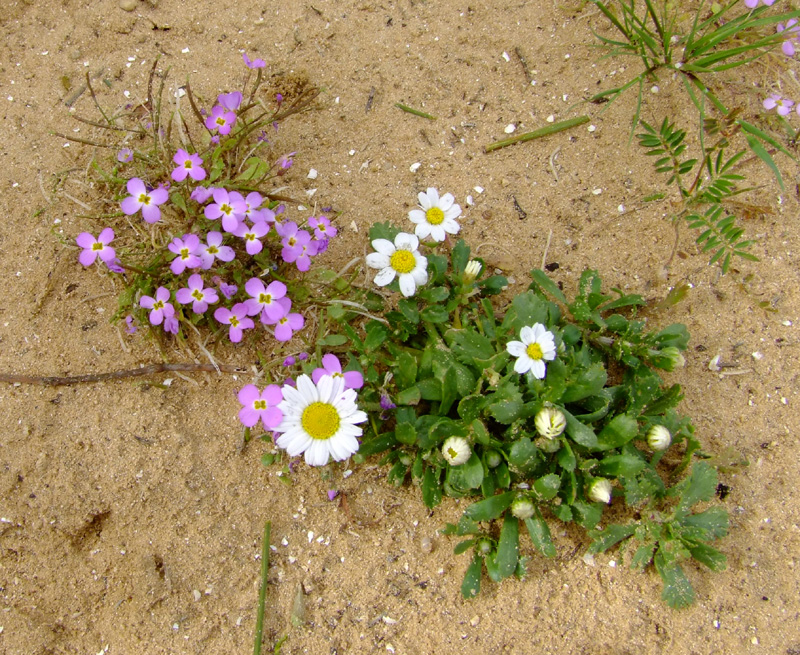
column 537, row 409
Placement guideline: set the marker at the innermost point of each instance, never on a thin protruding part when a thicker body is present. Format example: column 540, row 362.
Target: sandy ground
column 131, row 516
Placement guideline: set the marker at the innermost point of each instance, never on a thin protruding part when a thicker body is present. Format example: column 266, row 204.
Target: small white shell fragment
column 388, row 620
column 414, row 167
column 347, row 473
column 551, row 118
column 597, row 192
column 713, row 365
column 470, row 201
column 506, row 57
column 510, row 128
column 621, row 209
column 786, row 323
column 758, row 355
column 180, row 92
column 197, row 595
column 185, row 51
column 351, row 152
column 591, row 128
column 477, row 189
column 310, row 192
column 353, row 226
column 312, row 174
column 310, row 536
column 284, row 542
column 654, row 89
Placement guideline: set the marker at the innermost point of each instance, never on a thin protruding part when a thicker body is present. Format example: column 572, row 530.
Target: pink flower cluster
column 783, row 105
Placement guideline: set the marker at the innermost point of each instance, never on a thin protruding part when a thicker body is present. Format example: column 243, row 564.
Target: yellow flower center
column 212, row 250
column 187, row 163
column 452, row 452
column 198, row 295
column 97, row 246
column 158, row 304
column 534, row 351
column 144, row 198
column 184, row 253
column 403, row 261
column 259, row 405
column 320, row 420
column 221, row 121
column 234, row 321
column 265, row 298
column 434, row 216
column 225, row 208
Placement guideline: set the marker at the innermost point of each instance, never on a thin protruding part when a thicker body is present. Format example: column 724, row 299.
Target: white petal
column 424, row 201
column 453, row 212
column 433, row 196
column 294, row 443
column 420, row 276
column 317, row 453
column 423, row 230
column 515, row 348
column 437, row 232
column 523, row 364
column 378, row 260
column 416, row 216
column 527, row 335
column 309, row 390
column 384, row 246
column 407, row 285
column 537, row 368
column 385, row 276
column 406, row 241
column 342, row 446
column 446, row 201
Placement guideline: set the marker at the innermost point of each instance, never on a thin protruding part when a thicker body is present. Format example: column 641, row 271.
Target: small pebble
column 312, row 174
column 414, row 167
column 197, row 595
column 426, row 545
column 551, row 118
column 127, row 5
column 510, row 128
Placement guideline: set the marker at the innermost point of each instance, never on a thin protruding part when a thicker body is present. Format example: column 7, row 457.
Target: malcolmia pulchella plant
column 536, row 407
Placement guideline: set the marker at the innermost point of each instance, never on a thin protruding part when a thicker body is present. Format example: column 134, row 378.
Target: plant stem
column 262, row 594
column 537, row 134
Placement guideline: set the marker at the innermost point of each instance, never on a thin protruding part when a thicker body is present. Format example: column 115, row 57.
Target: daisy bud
column 493, row 459
column 673, row 357
column 600, row 491
column 472, row 271
column 523, row 508
column 456, row 450
column 550, row 422
column 659, row 438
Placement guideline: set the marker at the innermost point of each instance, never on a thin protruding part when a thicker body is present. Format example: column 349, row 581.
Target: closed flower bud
column 600, row 491
column 472, row 271
column 659, row 438
column 483, row 546
column 523, row 508
column 674, row 358
column 456, row 450
column 550, row 422
column 493, row 459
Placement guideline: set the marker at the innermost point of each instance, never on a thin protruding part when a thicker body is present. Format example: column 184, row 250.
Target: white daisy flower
column 436, row 216
column 536, row 346
column 659, row 438
column 402, row 259
column 456, row 450
column 319, row 420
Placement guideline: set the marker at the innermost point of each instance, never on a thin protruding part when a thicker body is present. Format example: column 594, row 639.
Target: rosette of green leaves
column 442, row 358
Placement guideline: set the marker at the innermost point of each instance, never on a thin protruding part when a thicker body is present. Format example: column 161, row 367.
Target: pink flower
column 94, row 248
column 221, row 119
column 145, row 200
column 231, row 101
column 214, row 250
column 186, row 249
column 190, row 165
column 784, row 105
column 792, row 37
column 322, row 227
column 265, row 300
column 260, row 405
column 125, row 156
column 159, row 307
column 255, row 63
column 288, row 323
column 251, row 235
column 230, row 206
column 197, row 295
column 236, row 317
column 332, row 367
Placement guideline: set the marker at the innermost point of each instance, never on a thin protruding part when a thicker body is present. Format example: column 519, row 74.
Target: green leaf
column 470, row 407
column 408, row 308
column 460, row 256
column 377, row 444
column 508, row 546
column 708, row 526
column 566, row 458
column 410, row 396
column 618, row 431
column 405, row 433
column 540, row 535
column 617, row 466
column 490, row 508
column 434, row 295
column 384, row 230
column 469, row 345
column 546, row 285
column 431, row 487
column 526, row 309
column 698, row 487
column 405, row 370
column 580, row 433
column 587, row 515
column 604, row 539
column 471, row 586
column 435, row 314
column 332, row 340
column 468, row 475
column 590, row 381
column 430, row 389
column 464, row 546
column 547, row 486
column 643, row 556
column 708, row 556
column 376, row 335
column 678, row 592
column 524, row 456
column 763, row 154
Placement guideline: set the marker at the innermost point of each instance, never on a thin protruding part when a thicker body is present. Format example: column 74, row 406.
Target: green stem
column 262, row 594
column 416, row 112
column 537, row 134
